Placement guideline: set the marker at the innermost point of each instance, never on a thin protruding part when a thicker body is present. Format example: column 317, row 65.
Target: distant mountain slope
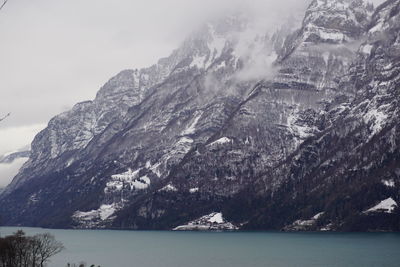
column 10, row 163
column 10, row 157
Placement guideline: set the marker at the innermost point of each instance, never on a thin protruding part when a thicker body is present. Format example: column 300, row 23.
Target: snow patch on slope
column 300, row 131
column 388, row 183
column 191, row 129
column 221, row 141
column 216, row 218
column 366, row 49
column 119, row 183
column 377, row 118
column 302, row 225
column 194, row 190
column 212, row 221
column 129, row 179
column 198, row 62
column 183, row 145
column 93, row 217
column 177, row 151
column 168, row 188
column 387, row 206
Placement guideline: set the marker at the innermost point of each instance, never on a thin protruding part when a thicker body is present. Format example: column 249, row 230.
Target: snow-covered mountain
column 292, row 129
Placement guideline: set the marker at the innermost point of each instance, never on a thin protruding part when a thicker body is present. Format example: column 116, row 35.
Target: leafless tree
column 3, row 4
column 19, row 250
column 1, row 7
column 47, row 247
column 3, row 118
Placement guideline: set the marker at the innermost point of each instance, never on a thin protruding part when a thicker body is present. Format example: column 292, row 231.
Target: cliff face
column 312, row 132
column 348, row 173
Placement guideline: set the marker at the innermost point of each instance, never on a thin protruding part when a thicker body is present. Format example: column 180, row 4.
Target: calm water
column 195, row 249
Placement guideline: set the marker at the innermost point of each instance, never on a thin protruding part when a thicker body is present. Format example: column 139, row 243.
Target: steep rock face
column 319, row 54
column 139, row 143
column 352, row 165
column 328, row 178
column 276, row 116
column 201, row 133
column 339, row 21
column 59, row 145
column 263, row 130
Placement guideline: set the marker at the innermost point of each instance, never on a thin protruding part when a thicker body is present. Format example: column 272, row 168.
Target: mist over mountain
column 253, row 122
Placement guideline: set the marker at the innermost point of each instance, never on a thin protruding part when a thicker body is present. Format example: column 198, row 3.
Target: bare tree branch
column 3, row 118
column 4, row 3
column 19, row 250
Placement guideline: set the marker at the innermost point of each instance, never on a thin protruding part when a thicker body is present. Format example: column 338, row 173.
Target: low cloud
column 257, row 56
column 8, row 171
column 14, row 139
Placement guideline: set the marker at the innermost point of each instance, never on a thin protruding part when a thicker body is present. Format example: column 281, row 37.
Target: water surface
column 241, row 249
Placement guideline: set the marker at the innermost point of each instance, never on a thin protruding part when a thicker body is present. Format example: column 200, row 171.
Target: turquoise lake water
column 240, row 249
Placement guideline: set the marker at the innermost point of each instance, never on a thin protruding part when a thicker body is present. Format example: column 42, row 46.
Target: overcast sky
column 56, row 53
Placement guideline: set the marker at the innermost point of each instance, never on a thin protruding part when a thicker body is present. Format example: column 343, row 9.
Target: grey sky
column 56, row 53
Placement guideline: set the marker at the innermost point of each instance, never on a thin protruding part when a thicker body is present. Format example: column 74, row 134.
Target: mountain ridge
column 209, row 138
